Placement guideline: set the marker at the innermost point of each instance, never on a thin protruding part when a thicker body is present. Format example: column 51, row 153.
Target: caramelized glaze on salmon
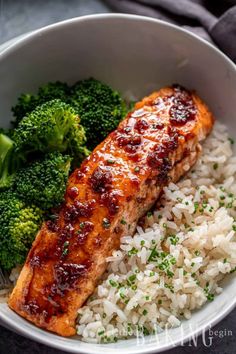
column 115, row 186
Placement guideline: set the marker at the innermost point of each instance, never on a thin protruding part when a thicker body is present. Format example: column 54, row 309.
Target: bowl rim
column 40, row 335
column 30, row 36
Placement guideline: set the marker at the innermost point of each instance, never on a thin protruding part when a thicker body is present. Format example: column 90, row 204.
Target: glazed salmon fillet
column 117, row 184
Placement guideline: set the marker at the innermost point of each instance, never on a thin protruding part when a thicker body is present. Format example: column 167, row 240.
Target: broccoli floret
column 26, row 103
column 53, row 126
column 53, row 90
column 19, row 224
column 100, row 109
column 44, row 182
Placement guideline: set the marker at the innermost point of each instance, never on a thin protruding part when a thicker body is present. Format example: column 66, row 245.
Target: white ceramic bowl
column 132, row 54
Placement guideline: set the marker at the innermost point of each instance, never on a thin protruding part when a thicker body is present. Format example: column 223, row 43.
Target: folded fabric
column 193, row 15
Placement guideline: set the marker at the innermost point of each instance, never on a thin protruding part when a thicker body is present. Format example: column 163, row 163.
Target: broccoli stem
column 6, row 148
column 5, row 145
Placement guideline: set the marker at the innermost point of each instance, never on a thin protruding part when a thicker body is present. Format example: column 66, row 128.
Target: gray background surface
column 20, row 16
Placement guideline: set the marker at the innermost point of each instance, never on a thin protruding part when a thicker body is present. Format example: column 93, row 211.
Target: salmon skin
column 116, row 185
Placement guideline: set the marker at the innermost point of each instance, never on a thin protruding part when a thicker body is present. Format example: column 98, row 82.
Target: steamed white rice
column 175, row 264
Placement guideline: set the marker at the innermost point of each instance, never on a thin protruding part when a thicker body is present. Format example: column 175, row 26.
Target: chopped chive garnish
column 196, row 205
column 132, row 251
column 110, row 161
column 65, row 252
column 113, row 283
column 122, row 296
column 174, row 239
column 53, row 217
column 210, row 297
column 81, row 225
column 168, row 286
column 123, row 222
column 132, row 278
column 169, row 273
column 106, row 223
column 153, row 255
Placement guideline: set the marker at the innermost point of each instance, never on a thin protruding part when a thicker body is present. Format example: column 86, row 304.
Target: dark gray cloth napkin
column 213, row 20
